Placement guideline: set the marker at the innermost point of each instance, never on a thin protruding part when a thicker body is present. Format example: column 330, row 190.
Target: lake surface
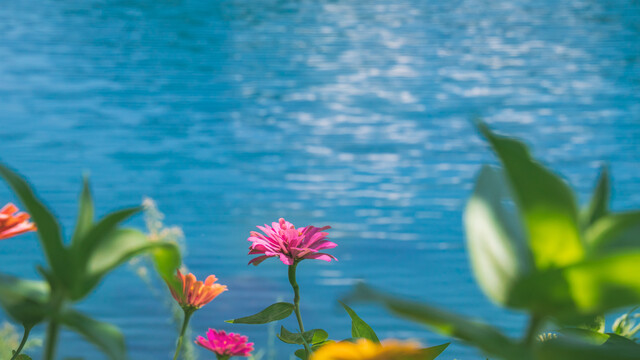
column 354, row 114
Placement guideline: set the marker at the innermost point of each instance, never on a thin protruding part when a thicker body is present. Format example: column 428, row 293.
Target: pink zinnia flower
column 14, row 223
column 225, row 345
column 196, row 294
column 290, row 244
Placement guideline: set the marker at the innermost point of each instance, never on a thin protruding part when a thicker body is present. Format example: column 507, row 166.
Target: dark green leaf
column 314, row 336
column 495, row 239
column 484, row 337
column 48, row 228
column 274, row 312
column 23, row 357
column 359, row 328
column 599, row 204
column 433, row 352
column 85, row 213
column 571, row 347
column 105, row 336
column 25, row 301
column 545, row 201
column 590, row 336
column 301, row 354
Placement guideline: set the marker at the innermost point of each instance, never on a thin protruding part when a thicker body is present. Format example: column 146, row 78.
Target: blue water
column 354, row 114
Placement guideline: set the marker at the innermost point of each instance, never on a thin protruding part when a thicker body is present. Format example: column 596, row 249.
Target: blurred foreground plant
column 76, row 268
column 532, row 250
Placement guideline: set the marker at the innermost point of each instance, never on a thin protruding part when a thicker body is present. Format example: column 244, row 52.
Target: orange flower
column 196, row 294
column 365, row 349
column 14, row 223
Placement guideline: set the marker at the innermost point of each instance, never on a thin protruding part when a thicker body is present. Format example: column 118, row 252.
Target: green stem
column 185, row 324
column 27, row 330
column 296, row 304
column 532, row 330
column 53, row 329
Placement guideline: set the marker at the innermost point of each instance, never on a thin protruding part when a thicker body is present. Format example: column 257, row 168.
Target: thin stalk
column 53, row 329
column 185, row 324
column 296, row 304
column 532, row 330
column 27, row 330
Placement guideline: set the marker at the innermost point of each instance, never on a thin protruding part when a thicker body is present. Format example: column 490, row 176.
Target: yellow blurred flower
column 368, row 350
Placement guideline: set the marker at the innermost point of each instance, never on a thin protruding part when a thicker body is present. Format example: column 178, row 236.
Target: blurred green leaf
column 495, row 240
column 545, row 201
column 484, row 337
column 105, row 336
column 614, row 233
column 166, row 260
column 572, row 347
column 595, row 323
column 48, row 228
column 85, row 213
column 274, row 312
column 433, row 352
column 314, row 336
column 606, row 283
column 599, row 204
column 359, row 328
column 25, row 301
column 23, row 357
column 115, row 249
column 84, row 248
column 590, row 336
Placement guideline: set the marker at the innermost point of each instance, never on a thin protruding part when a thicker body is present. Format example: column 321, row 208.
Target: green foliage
column 433, row 352
column 273, row 312
column 105, row 336
column 532, row 250
column 359, row 328
column 25, row 301
column 95, row 249
column 315, row 336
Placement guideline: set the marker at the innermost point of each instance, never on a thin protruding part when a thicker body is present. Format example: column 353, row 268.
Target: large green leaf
column 545, row 201
column 105, row 336
column 614, row 233
column 115, row 249
column 48, row 228
column 599, row 204
column 486, row 338
column 607, row 283
column 495, row 239
column 25, row 301
column 85, row 213
column 359, row 328
column 314, row 336
column 274, row 312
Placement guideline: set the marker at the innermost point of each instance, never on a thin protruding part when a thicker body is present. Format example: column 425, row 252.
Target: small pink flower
column 225, row 345
column 14, row 223
column 290, row 244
